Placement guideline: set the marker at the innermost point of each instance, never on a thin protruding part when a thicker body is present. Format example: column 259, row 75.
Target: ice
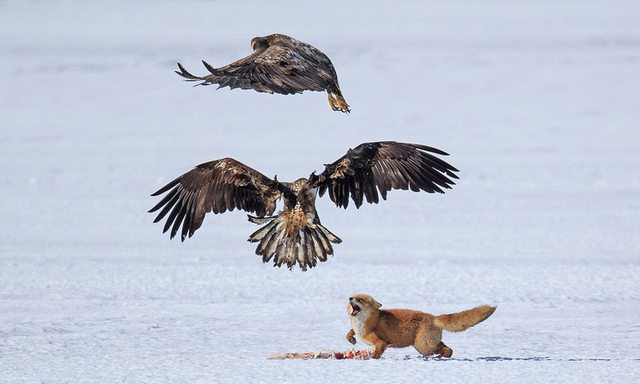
column 536, row 102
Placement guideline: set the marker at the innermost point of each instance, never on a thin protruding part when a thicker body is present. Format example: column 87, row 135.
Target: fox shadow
column 500, row 358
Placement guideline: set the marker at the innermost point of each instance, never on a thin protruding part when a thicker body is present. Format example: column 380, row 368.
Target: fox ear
column 378, row 305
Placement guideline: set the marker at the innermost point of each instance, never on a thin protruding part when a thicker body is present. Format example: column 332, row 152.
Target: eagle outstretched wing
column 295, row 235
column 285, row 69
column 379, row 167
column 215, row 186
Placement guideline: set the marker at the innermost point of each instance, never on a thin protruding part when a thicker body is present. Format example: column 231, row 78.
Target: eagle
column 280, row 64
column 295, row 235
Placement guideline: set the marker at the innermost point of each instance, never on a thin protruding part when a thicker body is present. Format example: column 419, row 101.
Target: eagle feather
column 295, row 235
column 279, row 64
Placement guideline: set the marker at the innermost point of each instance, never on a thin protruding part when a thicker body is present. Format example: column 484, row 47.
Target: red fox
column 399, row 328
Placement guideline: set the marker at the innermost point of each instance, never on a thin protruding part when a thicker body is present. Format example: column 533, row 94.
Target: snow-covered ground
column 538, row 103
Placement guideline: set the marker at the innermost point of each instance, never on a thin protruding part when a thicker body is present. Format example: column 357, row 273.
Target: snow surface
column 538, row 103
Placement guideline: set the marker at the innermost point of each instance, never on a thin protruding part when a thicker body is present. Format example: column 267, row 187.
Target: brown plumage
column 399, row 328
column 279, row 64
column 295, row 235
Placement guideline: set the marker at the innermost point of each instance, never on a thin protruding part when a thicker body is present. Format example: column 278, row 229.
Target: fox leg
column 377, row 342
column 380, row 348
column 429, row 342
column 350, row 337
column 443, row 351
column 440, row 350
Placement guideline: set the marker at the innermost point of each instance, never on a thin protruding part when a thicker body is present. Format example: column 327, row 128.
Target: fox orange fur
column 399, row 328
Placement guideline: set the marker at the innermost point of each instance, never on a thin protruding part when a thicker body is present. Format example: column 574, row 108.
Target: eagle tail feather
column 303, row 247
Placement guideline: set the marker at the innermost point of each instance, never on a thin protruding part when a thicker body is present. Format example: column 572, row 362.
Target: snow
column 536, row 101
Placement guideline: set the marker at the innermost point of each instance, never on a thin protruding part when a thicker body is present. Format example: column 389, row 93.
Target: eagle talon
column 338, row 103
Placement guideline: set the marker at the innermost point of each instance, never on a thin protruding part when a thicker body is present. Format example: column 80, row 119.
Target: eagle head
column 313, row 178
column 259, row 43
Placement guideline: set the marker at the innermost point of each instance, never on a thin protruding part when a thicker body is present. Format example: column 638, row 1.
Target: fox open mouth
column 354, row 309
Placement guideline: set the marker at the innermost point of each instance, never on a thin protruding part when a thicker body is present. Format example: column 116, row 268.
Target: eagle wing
column 379, row 167
column 216, row 186
column 284, row 69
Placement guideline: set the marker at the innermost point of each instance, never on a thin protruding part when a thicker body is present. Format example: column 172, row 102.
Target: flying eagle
column 279, row 64
column 295, row 235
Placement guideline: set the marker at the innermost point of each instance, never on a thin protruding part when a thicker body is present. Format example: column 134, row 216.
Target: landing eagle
column 295, row 235
column 279, row 64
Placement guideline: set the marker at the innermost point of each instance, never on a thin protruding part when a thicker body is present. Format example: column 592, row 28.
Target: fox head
column 362, row 305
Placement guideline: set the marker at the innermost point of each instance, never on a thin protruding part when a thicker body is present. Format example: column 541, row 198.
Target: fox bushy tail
column 458, row 322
